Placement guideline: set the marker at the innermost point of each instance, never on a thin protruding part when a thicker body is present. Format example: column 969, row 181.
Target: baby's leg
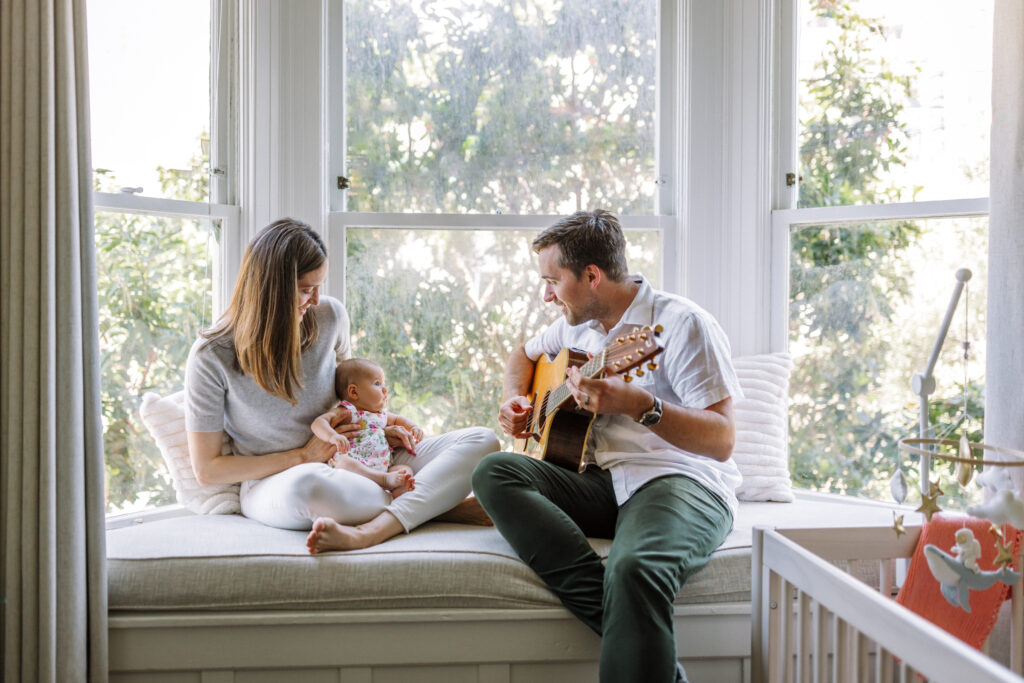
column 400, row 480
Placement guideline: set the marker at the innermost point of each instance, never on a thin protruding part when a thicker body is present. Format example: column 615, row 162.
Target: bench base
column 423, row 645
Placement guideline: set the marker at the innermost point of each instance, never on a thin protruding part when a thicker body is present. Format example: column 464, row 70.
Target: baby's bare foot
column 407, row 485
column 392, row 480
column 327, row 534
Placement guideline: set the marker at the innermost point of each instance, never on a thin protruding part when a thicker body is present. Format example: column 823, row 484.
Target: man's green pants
column 662, row 534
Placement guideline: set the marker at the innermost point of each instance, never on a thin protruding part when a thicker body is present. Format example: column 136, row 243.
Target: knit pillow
column 762, row 427
column 165, row 420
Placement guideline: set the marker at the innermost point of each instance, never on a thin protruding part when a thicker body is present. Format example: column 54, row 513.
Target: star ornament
column 1004, row 553
column 928, row 506
column 897, row 525
column 996, row 531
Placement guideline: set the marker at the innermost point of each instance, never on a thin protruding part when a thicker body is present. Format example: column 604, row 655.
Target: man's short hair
column 351, row 371
column 588, row 238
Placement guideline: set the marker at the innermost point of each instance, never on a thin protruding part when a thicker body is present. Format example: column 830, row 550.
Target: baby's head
column 361, row 382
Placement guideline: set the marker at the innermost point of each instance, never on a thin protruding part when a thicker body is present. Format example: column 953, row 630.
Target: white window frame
column 664, row 220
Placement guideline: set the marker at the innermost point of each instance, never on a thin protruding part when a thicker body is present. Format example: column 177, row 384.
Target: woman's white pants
column 292, row 499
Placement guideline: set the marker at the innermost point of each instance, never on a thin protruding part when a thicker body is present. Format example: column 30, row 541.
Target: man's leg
column 546, row 513
column 665, row 532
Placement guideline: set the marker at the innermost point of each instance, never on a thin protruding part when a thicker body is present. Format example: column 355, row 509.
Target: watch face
column 652, row 416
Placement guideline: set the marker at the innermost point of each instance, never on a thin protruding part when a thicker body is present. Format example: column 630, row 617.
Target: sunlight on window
column 149, row 87
column 440, row 310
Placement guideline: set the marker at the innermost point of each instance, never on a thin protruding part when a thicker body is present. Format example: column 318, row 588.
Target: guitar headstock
column 631, row 350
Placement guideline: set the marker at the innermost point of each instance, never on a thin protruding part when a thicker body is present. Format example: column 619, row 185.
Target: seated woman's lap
column 292, row 499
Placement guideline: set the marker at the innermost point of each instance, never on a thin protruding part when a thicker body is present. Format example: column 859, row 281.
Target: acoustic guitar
column 559, row 426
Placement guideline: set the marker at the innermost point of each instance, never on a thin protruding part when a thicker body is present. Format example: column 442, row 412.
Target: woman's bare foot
column 327, row 534
column 466, row 512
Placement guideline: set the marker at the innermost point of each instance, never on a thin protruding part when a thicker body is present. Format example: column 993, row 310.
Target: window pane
column 895, row 100
column 149, row 85
column 155, row 283
column 441, row 309
column 488, row 106
column 866, row 305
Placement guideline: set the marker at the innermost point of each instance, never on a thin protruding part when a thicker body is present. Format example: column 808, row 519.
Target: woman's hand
column 318, row 450
column 400, row 437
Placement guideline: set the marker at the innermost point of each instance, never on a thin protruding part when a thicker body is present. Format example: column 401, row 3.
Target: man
column 659, row 479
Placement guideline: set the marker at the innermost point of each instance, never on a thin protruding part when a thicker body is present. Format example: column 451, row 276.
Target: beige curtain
column 1004, row 376
column 53, row 566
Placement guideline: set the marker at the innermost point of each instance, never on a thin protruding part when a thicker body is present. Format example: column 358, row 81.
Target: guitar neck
column 592, row 368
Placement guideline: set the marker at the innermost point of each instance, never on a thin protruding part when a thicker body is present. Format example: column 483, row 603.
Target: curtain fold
column 1004, row 400
column 53, row 572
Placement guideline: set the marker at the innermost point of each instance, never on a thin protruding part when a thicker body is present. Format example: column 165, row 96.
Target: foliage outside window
column 487, row 106
column 154, row 280
column 866, row 298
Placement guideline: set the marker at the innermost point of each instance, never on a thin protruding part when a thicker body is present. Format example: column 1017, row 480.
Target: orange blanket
column 921, row 592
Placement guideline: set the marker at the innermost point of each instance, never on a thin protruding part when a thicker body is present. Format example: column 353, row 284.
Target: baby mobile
column 956, row 569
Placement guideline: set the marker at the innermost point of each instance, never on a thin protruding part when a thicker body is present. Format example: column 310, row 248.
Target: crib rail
column 814, row 622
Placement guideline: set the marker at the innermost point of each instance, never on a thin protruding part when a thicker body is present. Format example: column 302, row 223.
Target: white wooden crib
column 812, row 621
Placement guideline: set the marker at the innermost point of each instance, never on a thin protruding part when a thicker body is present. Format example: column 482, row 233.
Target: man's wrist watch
column 652, row 416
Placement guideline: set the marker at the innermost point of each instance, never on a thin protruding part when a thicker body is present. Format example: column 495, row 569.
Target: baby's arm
column 399, row 421
column 325, row 432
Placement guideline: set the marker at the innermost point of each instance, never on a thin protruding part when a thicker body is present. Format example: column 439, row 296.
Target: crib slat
column 805, row 639
column 821, row 618
column 841, row 654
column 863, row 670
column 788, row 646
column 885, row 578
column 776, row 655
column 884, row 664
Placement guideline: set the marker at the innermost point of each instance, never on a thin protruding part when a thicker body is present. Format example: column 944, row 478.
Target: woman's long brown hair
column 262, row 321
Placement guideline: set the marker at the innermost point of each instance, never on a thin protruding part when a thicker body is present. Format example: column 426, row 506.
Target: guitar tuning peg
column 632, row 337
column 620, row 340
column 652, row 365
column 627, row 378
column 643, row 336
column 629, row 359
column 639, row 372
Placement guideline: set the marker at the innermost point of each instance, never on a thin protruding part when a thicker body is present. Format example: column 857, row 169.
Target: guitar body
column 562, row 427
column 563, row 431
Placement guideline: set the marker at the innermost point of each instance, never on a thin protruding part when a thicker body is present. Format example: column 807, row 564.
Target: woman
column 266, row 370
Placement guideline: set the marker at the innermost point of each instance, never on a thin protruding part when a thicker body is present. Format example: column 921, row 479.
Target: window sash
column 232, row 241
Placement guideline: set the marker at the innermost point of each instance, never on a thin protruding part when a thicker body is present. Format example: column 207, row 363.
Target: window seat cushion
column 228, row 562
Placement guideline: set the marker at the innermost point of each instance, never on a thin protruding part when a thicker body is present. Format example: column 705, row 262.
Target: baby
column 359, row 385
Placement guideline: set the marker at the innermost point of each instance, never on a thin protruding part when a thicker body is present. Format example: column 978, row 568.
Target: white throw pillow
column 164, row 418
column 762, row 427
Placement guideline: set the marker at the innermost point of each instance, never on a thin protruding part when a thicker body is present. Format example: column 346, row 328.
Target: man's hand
column 608, row 396
column 514, row 417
